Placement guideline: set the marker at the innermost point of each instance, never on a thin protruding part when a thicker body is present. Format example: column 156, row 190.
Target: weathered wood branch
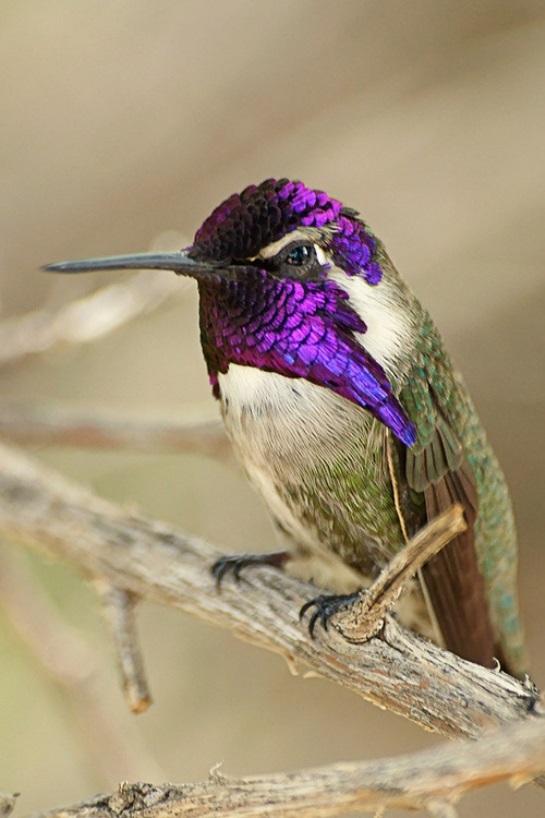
column 398, row 670
column 433, row 780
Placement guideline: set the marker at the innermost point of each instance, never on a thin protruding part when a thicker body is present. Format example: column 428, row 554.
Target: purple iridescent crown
column 246, row 222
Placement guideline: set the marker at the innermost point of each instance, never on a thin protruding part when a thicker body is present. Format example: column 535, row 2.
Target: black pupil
column 298, row 256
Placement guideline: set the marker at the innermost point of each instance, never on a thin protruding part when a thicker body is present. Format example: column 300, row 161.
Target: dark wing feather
column 429, row 479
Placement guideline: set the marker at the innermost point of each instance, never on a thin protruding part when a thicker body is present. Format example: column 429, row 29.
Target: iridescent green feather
column 495, row 537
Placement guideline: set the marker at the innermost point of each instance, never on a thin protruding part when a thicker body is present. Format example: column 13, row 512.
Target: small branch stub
column 365, row 617
column 118, row 608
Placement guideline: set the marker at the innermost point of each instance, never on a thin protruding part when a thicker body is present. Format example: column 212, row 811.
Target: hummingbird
column 346, row 412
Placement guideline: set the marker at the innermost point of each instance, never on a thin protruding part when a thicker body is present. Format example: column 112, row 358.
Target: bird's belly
column 319, row 463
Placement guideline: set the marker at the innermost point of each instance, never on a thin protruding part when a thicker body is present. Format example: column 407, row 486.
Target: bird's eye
column 300, row 255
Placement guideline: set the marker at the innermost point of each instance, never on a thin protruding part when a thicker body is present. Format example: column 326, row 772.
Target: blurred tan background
column 122, row 121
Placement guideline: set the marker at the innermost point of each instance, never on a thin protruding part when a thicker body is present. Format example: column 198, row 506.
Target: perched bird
column 345, row 410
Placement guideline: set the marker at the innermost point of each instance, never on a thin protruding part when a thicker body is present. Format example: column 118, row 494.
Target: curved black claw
column 235, row 564
column 325, row 607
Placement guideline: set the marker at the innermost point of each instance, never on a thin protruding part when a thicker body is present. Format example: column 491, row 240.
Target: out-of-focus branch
column 84, row 320
column 7, row 804
column 434, row 780
column 43, row 425
column 399, row 671
column 113, row 748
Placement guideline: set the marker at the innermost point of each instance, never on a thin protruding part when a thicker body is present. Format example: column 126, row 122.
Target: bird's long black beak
column 179, row 262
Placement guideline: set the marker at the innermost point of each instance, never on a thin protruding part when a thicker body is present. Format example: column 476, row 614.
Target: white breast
column 246, row 388
column 268, row 413
column 281, row 428
column 263, row 413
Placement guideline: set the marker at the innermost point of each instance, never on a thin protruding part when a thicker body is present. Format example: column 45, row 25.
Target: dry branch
column 111, row 747
column 433, row 780
column 365, row 618
column 84, row 320
column 50, row 426
column 118, row 608
column 399, row 671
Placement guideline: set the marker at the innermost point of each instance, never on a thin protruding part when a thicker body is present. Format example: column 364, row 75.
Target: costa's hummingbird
column 342, row 403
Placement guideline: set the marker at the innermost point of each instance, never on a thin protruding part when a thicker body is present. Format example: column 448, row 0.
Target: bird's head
column 293, row 282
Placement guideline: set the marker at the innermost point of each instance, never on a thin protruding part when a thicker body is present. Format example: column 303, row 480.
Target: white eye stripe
column 294, row 237
column 290, row 238
column 320, row 255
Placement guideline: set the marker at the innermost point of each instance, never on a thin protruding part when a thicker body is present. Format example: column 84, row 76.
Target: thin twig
column 113, row 747
column 434, row 780
column 118, row 608
column 50, row 426
column 365, row 617
column 399, row 671
column 84, row 320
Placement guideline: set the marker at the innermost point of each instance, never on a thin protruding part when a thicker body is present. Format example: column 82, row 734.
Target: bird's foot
column 238, row 563
column 325, row 607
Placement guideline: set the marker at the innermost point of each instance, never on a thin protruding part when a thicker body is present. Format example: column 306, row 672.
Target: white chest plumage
column 276, row 424
column 279, row 427
column 285, row 430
